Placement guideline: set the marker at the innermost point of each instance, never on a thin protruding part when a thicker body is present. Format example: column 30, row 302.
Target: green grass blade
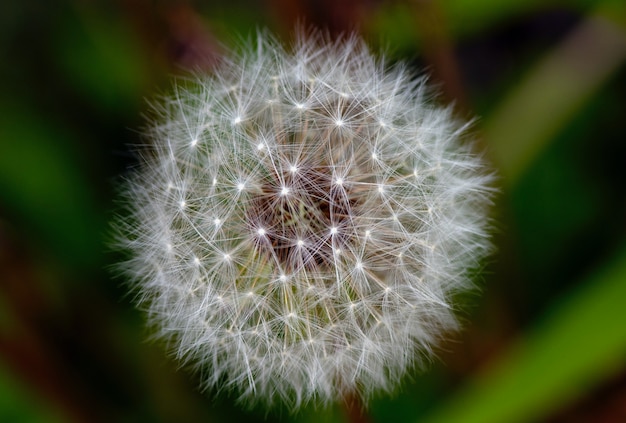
column 578, row 343
column 552, row 93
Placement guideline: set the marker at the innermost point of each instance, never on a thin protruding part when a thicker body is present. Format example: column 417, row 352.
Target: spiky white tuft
column 302, row 221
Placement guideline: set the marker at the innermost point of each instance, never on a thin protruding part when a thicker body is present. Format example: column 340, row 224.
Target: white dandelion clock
column 301, row 222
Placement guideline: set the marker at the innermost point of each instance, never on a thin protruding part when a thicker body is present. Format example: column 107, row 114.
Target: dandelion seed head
column 314, row 270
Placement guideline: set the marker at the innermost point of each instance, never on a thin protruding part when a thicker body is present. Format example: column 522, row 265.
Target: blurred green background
column 544, row 339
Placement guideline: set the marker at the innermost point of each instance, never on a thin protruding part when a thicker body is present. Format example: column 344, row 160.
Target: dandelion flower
column 301, row 220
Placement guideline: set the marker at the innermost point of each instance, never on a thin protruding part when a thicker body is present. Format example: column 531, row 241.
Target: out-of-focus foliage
column 544, row 341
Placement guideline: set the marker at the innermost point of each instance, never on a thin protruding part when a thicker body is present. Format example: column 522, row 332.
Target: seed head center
column 297, row 210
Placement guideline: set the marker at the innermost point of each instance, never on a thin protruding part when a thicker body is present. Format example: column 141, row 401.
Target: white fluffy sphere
column 301, row 220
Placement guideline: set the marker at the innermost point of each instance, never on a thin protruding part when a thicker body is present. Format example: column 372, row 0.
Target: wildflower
column 301, row 221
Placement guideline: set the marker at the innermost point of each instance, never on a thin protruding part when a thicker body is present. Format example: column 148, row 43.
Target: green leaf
column 579, row 342
column 41, row 182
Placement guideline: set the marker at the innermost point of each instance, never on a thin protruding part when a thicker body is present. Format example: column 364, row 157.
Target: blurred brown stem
column 438, row 49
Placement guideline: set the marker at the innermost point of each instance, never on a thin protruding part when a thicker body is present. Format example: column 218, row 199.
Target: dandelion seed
column 310, row 292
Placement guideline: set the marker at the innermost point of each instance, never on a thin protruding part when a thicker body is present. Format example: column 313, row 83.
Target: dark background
column 544, row 339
